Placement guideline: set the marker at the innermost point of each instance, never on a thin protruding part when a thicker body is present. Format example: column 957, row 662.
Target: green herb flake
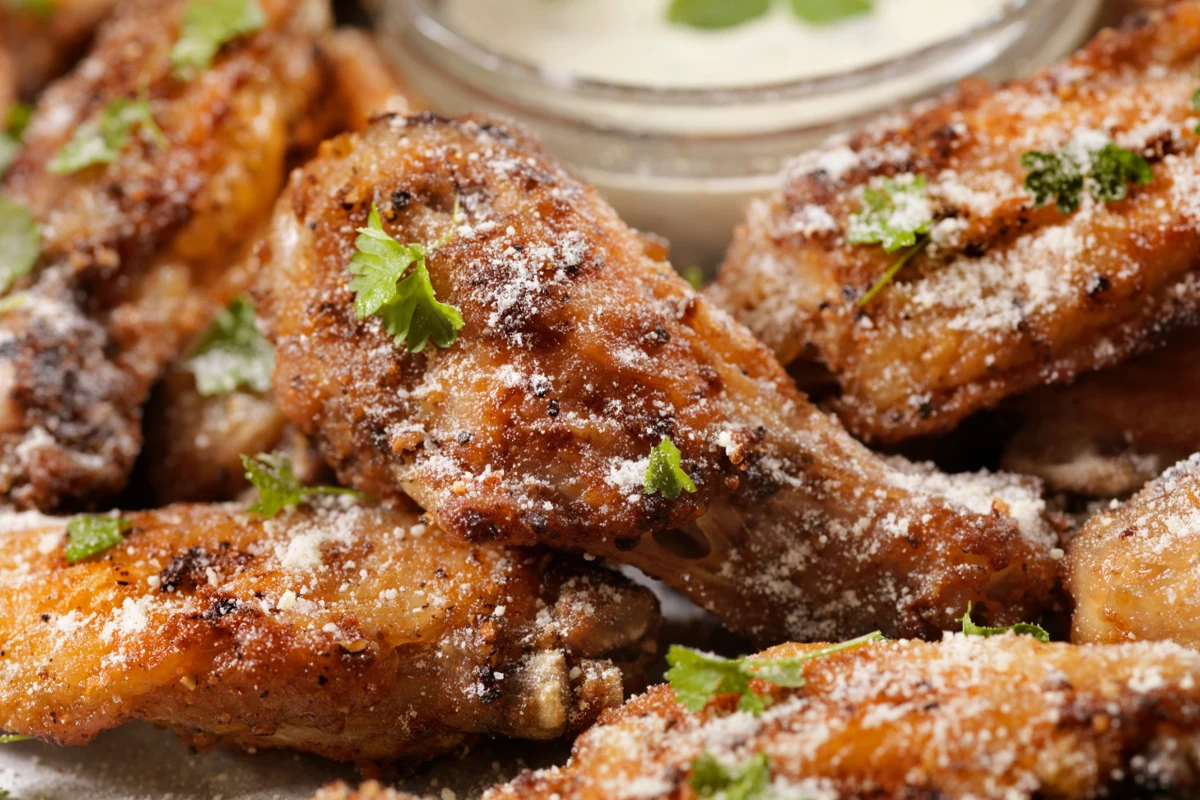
column 9, row 738
column 698, row 677
column 103, row 140
column 694, row 276
column 39, row 8
column 894, row 216
column 91, row 535
column 207, row 26
column 665, row 472
column 233, row 353
column 1020, row 629
column 20, row 242
column 824, row 12
column 278, row 487
column 893, row 271
column 1061, row 176
column 406, row 304
column 10, row 137
column 716, row 14
column 713, row 781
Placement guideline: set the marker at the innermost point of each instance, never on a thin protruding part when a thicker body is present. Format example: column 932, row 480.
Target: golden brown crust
column 133, row 252
column 1134, row 569
column 580, row 352
column 43, row 46
column 1006, row 718
column 1006, row 297
column 352, row 633
column 1113, row 431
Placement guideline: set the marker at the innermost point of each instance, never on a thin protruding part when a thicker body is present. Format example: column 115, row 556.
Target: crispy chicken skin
column 1006, row 718
column 43, row 45
column 133, row 252
column 340, row 630
column 371, row 790
column 579, row 353
column 1005, row 297
column 1134, row 570
column 1114, row 430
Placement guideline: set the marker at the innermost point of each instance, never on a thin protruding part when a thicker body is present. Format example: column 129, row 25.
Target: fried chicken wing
column 1134, row 570
column 580, row 353
column 42, row 42
column 1006, row 296
column 1006, row 718
column 133, row 252
column 1114, row 430
column 340, row 630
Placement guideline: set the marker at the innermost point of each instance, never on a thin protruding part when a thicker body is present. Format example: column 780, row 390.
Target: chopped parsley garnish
column 207, row 26
column 694, row 276
column 713, row 781
column 278, row 487
column 895, row 216
column 409, row 310
column 20, row 242
column 10, row 137
column 91, row 535
column 699, row 677
column 9, row 738
column 665, row 472
column 718, row 14
column 233, row 353
column 103, row 140
column 1062, row 176
column 1020, row 629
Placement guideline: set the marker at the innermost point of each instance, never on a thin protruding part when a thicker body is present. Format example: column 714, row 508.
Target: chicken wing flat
column 1134, row 570
column 131, row 251
column 1006, row 718
column 1111, row 432
column 352, row 633
column 1006, row 296
column 579, row 354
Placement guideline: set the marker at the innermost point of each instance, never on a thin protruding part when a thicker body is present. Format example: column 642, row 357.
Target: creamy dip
column 631, row 41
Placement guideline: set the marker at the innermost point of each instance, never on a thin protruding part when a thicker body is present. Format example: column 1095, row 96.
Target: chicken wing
column 44, row 38
column 352, row 633
column 132, row 252
column 1006, row 296
column 1114, row 430
column 1005, row 718
column 579, row 354
column 1134, row 570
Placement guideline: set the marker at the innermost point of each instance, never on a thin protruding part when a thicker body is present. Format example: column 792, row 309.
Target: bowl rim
column 436, row 32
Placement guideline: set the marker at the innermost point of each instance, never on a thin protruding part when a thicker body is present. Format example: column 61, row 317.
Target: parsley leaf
column 102, row 140
column 92, row 535
column 207, row 26
column 893, row 271
column 823, row 12
column 665, row 472
column 1020, row 629
column 694, row 276
column 1061, row 176
column 408, row 307
column 716, row 14
column 698, row 677
column 894, row 216
column 233, row 353
column 10, row 137
column 277, row 484
column 748, row 781
column 9, row 738
column 20, row 242
column 39, row 8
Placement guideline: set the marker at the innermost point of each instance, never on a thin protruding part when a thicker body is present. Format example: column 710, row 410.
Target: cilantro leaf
column 716, row 14
column 409, row 309
column 104, row 139
column 698, row 677
column 1113, row 169
column 1020, row 629
column 1061, row 176
column 823, row 12
column 92, row 535
column 20, row 242
column 233, row 353
column 665, row 472
column 278, row 487
column 894, row 216
column 748, row 781
column 207, row 26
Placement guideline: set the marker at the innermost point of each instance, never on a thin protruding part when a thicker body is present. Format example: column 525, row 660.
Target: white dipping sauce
column 632, row 42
